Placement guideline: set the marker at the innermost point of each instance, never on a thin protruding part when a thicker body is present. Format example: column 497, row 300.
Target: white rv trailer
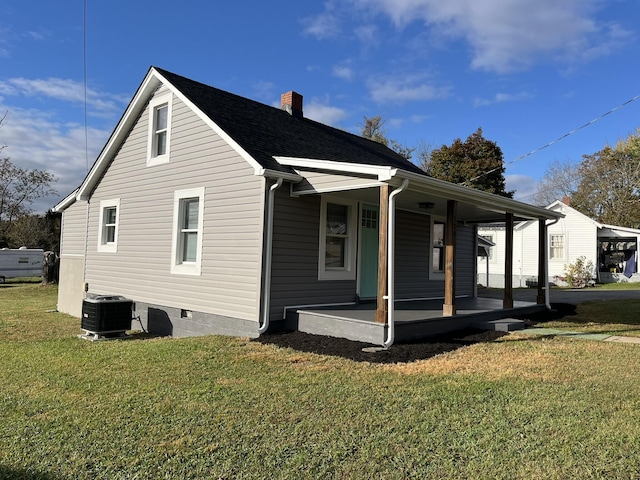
column 20, row 262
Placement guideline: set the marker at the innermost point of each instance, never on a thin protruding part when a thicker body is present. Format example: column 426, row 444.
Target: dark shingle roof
column 264, row 131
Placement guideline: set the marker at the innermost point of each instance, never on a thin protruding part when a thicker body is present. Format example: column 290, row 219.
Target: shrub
column 579, row 274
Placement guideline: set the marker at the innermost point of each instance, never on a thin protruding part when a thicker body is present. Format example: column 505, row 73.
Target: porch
column 414, row 319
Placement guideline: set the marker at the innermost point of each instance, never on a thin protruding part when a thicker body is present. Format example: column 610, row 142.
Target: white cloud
column 322, row 112
column 503, row 35
column 64, row 90
column 35, row 139
column 405, row 89
column 324, row 25
column 524, row 186
column 343, row 71
column 501, row 98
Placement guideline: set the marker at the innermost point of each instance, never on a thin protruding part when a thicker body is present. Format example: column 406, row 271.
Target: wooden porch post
column 449, row 307
column 543, row 276
column 507, row 301
column 383, row 253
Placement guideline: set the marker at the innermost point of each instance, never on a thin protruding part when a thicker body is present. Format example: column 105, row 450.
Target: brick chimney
column 292, row 102
column 566, row 200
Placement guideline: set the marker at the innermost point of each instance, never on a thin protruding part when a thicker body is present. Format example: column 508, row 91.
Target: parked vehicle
column 20, row 262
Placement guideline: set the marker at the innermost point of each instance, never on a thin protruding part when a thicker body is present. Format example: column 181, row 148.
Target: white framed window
column 159, row 130
column 108, row 225
column 556, row 247
column 186, row 248
column 437, row 249
column 338, row 235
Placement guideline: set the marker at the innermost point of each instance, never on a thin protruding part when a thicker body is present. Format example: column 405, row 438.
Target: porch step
column 501, row 325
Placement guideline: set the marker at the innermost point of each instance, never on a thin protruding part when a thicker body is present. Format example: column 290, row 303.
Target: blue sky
column 526, row 71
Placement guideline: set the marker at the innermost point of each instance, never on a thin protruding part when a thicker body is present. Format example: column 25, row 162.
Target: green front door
column 369, row 251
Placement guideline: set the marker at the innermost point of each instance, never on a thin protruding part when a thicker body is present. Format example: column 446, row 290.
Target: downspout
column 391, row 264
column 546, row 264
column 266, row 288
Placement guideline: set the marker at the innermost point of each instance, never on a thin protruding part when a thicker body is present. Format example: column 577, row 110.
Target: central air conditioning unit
column 106, row 315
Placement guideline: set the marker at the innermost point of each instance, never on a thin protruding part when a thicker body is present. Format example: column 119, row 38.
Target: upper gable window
column 159, row 130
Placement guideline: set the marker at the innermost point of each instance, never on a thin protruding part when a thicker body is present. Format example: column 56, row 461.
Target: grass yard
column 223, row 408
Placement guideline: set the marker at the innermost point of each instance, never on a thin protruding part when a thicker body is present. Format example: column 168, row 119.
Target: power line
column 84, row 72
column 522, row 157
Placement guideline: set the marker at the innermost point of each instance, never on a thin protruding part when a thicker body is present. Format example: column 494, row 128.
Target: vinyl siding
column 74, row 221
column 325, row 182
column 294, row 279
column 232, row 229
column 412, row 257
column 465, row 260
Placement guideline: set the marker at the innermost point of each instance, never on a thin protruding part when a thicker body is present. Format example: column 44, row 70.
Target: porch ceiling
column 411, row 200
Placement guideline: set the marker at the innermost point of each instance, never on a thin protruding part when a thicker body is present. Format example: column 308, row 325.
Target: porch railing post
column 543, row 276
column 449, row 307
column 383, row 252
column 507, row 301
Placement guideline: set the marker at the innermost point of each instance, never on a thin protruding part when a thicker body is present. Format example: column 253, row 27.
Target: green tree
column 609, row 188
column 19, row 188
column 373, row 129
column 476, row 162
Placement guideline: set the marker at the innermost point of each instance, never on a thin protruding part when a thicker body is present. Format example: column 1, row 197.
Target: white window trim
column 103, row 246
column 435, row 274
column 564, row 247
column 348, row 272
column 165, row 99
column 177, row 266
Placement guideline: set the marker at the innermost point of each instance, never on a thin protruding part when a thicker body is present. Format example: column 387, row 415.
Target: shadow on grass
column 24, row 474
column 558, row 311
column 404, row 352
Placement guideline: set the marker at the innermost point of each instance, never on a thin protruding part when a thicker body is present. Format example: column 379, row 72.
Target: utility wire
column 522, row 157
column 84, row 72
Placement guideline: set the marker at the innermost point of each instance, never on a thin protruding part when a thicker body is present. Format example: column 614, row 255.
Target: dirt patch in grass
column 398, row 353
column 404, row 352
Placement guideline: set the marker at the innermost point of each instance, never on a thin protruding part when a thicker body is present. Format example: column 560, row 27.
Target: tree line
column 19, row 189
column 604, row 186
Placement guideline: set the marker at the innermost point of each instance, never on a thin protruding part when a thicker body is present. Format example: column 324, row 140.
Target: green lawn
column 219, row 407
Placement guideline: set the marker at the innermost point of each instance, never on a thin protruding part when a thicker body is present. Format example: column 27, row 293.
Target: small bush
column 579, row 274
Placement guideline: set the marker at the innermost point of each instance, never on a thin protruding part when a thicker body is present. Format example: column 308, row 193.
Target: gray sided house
column 217, row 214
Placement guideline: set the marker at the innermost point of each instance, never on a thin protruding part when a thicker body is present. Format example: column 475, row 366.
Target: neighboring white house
column 611, row 249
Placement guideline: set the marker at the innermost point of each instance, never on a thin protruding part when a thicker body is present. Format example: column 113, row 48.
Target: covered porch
column 414, row 319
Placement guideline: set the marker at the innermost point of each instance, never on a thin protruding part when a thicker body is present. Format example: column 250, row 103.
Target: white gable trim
column 383, row 173
column 149, row 85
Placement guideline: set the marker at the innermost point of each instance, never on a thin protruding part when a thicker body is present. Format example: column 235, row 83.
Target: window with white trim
column 338, row 232
column 188, row 210
column 159, row 130
column 556, row 247
column 438, row 248
column 108, row 225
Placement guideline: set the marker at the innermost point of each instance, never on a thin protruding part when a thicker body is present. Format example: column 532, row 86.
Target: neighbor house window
column 337, row 240
column 159, row 130
column 108, row 226
column 556, row 247
column 188, row 208
column 438, row 252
